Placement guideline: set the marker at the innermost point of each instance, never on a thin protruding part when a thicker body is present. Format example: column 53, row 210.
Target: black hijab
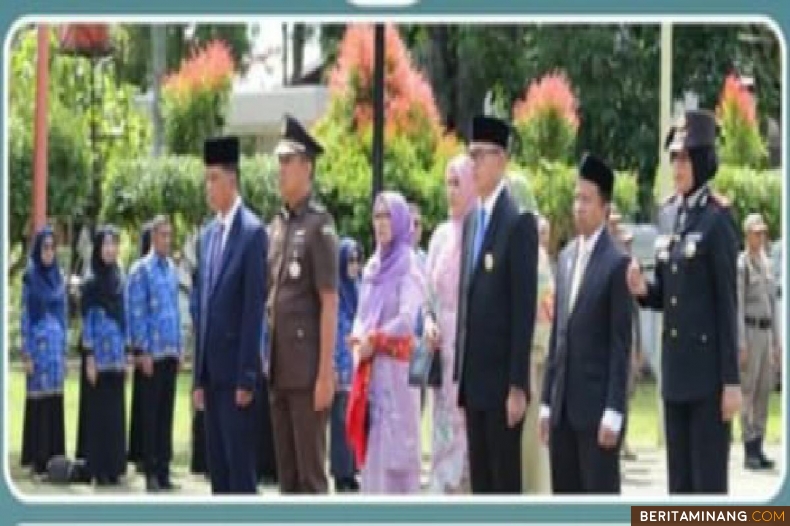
column 104, row 287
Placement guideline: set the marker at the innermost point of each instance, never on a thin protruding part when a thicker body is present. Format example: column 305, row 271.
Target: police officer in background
column 695, row 287
column 758, row 339
column 302, row 308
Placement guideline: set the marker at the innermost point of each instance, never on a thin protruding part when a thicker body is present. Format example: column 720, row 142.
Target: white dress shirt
column 227, row 221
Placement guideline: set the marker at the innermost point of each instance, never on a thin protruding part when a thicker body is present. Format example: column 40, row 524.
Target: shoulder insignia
column 719, row 200
column 315, row 206
column 328, row 229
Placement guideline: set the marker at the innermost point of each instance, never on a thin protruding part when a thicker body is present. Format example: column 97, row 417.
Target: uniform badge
column 328, row 229
column 294, row 269
column 488, row 261
column 691, row 249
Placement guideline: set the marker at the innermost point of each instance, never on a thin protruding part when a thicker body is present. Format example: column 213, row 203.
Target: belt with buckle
column 759, row 323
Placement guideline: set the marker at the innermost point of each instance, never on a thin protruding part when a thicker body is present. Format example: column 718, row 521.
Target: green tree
column 74, row 162
column 133, row 49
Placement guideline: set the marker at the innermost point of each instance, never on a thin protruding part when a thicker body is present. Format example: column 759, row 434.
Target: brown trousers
column 299, row 441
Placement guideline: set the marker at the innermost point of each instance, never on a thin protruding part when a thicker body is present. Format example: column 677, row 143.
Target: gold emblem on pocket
column 488, row 261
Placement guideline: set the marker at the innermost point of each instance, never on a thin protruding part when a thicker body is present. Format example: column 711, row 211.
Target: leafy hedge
column 137, row 190
column 747, row 190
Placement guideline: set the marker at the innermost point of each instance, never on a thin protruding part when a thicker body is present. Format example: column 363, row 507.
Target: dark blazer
column 589, row 346
column 496, row 313
column 229, row 315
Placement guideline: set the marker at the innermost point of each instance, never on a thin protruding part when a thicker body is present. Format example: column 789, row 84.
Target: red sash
column 398, row 347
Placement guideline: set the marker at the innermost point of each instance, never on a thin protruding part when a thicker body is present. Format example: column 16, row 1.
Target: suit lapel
column 230, row 246
column 490, row 236
column 592, row 267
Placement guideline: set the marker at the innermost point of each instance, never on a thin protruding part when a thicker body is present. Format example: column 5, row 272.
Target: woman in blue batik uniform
column 44, row 338
column 342, row 461
column 104, row 342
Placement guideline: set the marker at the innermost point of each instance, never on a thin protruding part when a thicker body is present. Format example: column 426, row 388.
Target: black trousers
column 230, row 441
column 158, row 394
column 106, row 435
column 198, row 463
column 579, row 464
column 698, row 446
column 494, row 452
column 136, row 447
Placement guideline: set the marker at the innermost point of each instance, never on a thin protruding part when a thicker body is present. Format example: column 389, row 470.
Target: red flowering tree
column 737, row 114
column 415, row 146
column 546, row 120
column 196, row 98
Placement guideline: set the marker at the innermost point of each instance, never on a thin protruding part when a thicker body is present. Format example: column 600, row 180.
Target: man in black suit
column 496, row 316
column 585, row 387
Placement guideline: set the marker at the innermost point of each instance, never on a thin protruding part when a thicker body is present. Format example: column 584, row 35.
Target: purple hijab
column 388, row 264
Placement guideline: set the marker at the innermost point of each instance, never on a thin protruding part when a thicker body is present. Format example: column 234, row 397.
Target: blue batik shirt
column 153, row 314
column 44, row 343
column 104, row 339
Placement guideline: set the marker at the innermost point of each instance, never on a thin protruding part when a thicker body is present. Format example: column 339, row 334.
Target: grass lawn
column 643, row 424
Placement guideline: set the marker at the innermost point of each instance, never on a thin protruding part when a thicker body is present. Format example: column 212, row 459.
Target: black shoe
column 353, row 484
column 152, row 485
column 165, row 484
column 766, row 462
column 102, row 481
column 753, row 463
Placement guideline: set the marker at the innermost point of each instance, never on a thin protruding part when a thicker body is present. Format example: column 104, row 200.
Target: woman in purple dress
column 391, row 294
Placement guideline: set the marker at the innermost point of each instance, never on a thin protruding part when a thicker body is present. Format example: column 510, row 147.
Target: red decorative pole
column 40, row 131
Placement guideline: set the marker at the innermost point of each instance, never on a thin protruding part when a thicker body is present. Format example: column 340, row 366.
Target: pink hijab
column 447, row 264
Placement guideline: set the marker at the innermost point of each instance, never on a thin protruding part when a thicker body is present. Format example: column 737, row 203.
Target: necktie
column 215, row 258
column 578, row 271
column 479, row 234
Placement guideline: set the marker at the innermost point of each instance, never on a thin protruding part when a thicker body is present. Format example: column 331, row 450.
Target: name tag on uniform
column 294, row 270
column 662, row 247
column 690, row 250
column 299, row 233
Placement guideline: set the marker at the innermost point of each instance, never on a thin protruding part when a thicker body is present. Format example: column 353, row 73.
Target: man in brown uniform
column 302, row 307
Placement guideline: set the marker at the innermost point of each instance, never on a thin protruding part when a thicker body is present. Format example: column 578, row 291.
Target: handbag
column 425, row 366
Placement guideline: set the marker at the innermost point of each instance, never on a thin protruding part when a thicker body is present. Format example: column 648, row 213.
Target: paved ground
column 646, row 476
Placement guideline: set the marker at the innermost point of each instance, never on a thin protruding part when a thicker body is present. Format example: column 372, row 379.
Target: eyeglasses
column 286, row 158
column 381, row 215
column 48, row 246
column 477, row 153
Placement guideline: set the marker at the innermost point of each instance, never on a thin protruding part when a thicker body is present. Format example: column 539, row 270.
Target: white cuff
column 612, row 420
column 545, row 411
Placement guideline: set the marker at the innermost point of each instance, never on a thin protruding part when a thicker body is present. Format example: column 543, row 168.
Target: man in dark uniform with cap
column 302, row 308
column 695, row 287
column 496, row 316
column 230, row 303
column 584, row 392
